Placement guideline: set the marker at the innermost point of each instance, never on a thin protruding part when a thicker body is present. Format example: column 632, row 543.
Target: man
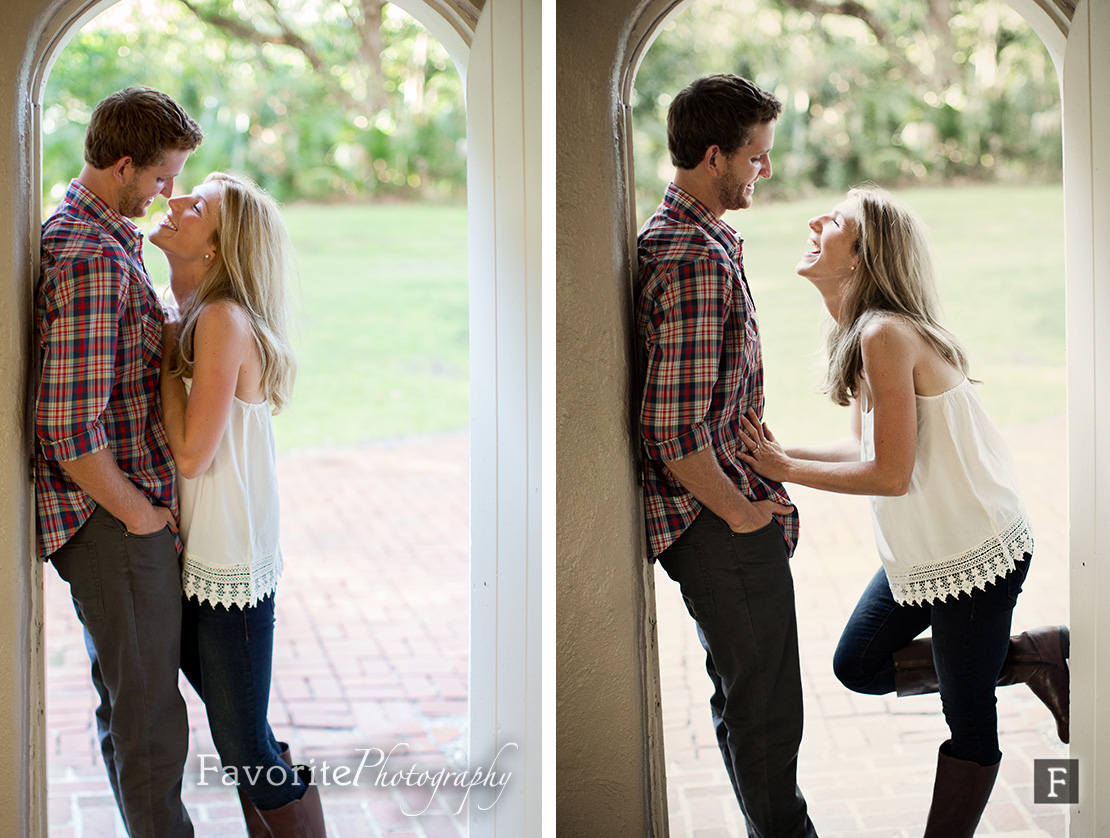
column 105, row 494
column 721, row 531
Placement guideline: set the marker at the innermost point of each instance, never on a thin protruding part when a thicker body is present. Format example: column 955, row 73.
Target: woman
column 952, row 533
column 228, row 366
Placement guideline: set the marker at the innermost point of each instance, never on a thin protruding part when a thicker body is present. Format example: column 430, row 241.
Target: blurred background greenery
column 353, row 115
column 915, row 92
column 324, row 100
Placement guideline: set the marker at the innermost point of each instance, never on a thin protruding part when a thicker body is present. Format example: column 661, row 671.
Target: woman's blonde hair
column 895, row 275
column 252, row 268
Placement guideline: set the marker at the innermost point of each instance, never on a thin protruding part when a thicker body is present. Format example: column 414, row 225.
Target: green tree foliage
column 315, row 99
column 915, row 91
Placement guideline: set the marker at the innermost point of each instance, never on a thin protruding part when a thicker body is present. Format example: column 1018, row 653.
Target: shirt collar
column 681, row 202
column 122, row 229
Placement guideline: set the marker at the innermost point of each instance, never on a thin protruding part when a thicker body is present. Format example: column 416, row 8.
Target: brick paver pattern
column 370, row 651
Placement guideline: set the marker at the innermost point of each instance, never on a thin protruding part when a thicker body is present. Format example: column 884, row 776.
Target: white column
column 1086, row 104
column 503, row 183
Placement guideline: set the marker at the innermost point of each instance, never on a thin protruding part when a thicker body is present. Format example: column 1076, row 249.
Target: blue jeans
column 739, row 590
column 126, row 590
column 971, row 634
column 227, row 655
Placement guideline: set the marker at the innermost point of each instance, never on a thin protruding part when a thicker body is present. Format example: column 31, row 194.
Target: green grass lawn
column 382, row 323
column 1001, row 275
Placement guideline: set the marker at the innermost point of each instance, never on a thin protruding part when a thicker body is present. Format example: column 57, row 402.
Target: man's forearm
column 701, row 475
column 100, row 478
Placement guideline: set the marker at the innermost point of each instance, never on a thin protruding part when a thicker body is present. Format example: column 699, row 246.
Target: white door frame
column 497, row 56
column 1084, row 74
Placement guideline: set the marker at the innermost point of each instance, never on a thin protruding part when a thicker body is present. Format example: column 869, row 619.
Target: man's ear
column 119, row 169
column 713, row 159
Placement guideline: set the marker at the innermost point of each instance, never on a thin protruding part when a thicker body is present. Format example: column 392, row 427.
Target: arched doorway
column 503, row 43
column 847, row 734
column 371, row 640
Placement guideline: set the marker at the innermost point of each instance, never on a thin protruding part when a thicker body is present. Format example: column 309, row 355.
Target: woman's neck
column 185, row 279
column 834, row 302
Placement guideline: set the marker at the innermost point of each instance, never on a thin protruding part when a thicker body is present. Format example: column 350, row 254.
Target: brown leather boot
column 960, row 793
column 1037, row 657
column 256, row 828
column 914, row 672
column 302, row 818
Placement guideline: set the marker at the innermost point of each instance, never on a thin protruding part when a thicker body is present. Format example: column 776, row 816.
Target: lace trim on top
column 977, row 568
column 241, row 584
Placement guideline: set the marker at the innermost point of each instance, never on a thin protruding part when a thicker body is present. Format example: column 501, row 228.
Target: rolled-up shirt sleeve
column 79, row 338
column 683, row 359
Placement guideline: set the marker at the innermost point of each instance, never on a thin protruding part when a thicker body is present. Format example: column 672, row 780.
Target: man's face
column 746, row 165
column 141, row 186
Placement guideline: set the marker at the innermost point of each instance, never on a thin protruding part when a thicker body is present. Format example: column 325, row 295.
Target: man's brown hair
column 718, row 110
column 140, row 123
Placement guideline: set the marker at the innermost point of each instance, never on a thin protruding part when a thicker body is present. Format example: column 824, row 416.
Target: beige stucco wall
column 607, row 716
column 20, row 591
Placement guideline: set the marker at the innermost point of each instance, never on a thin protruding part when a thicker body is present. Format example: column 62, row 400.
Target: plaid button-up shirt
column 703, row 366
column 100, row 331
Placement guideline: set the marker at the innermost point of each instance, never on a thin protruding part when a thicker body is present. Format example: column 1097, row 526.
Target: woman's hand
column 764, row 454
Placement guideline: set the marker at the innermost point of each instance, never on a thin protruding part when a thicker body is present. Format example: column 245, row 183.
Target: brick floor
column 866, row 762
column 371, row 650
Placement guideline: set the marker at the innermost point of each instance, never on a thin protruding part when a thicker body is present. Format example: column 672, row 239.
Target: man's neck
column 696, row 184
column 100, row 183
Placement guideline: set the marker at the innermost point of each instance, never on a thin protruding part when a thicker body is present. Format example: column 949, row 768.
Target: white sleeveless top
column 229, row 514
column 962, row 524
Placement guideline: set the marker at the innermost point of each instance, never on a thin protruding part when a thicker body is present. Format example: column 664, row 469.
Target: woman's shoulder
column 884, row 331
column 224, row 326
column 223, row 314
column 894, row 342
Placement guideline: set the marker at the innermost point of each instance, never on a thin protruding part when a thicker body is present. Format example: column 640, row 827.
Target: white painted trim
column 503, row 121
column 1087, row 214
column 61, row 27
column 450, row 30
column 1050, row 21
column 645, row 29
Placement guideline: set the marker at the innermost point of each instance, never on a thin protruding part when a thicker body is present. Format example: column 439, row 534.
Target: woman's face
column 189, row 227
column 832, row 244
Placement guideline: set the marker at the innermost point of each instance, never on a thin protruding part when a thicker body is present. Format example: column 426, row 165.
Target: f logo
column 1056, row 781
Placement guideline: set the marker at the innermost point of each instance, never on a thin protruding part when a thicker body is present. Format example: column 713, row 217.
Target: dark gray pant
column 127, row 592
column 739, row 590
